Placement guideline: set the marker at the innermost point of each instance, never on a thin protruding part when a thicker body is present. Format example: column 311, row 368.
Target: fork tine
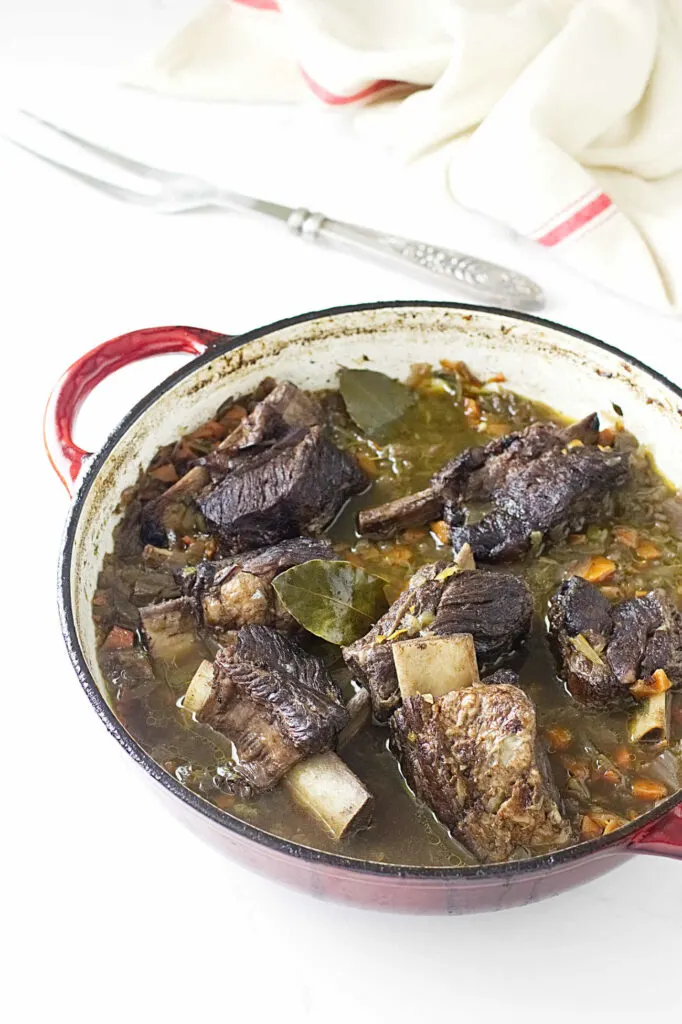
column 125, row 162
column 117, row 191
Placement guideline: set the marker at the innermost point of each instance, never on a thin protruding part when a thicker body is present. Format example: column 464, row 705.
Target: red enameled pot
column 569, row 371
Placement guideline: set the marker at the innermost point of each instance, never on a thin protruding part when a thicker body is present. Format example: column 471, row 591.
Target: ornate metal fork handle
column 481, row 276
column 171, row 193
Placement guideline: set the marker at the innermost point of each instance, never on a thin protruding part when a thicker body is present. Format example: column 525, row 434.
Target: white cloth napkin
column 560, row 118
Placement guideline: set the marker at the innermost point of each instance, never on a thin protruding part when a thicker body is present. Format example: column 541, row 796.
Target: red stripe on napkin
column 577, row 220
column 334, row 100
column 260, row 5
column 330, row 98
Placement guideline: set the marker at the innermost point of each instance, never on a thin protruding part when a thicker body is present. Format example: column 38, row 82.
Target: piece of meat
column 175, row 512
column 298, row 485
column 475, row 758
column 495, row 608
column 284, row 408
column 629, row 641
column 234, row 592
column 276, row 704
column 477, row 474
column 559, row 492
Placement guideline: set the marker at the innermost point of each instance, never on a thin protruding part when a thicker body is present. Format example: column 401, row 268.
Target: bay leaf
column 337, row 601
column 372, row 399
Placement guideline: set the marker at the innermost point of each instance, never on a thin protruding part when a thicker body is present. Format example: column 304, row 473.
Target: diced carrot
column 210, row 431
column 611, row 777
column 607, row 436
column 647, row 551
column 558, row 737
column 658, row 683
column 398, row 555
column 118, row 638
column 367, row 464
column 626, row 535
column 166, row 474
column 647, row 789
column 596, row 569
column 441, row 530
column 622, row 757
column 414, row 535
column 661, row 678
column 577, row 538
column 472, row 409
column 497, row 429
column 462, row 370
column 497, row 378
column 589, row 828
column 234, row 415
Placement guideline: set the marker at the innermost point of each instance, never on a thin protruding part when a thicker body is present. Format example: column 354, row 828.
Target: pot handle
column 90, row 370
column 662, row 837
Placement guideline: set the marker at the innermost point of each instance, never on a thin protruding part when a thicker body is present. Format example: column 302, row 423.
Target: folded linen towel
column 560, row 118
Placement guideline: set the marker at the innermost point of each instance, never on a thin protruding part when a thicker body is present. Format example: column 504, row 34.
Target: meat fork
column 174, row 193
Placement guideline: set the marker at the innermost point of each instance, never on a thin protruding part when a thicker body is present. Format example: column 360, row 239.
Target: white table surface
column 111, row 909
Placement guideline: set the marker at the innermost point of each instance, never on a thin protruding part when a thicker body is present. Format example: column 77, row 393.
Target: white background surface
column 111, row 910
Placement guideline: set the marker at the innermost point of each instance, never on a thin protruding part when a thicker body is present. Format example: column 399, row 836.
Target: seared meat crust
column 474, row 757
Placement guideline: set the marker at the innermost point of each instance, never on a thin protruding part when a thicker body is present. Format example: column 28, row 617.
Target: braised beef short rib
column 475, row 758
column 276, row 703
column 298, row 484
column 558, row 493
column 627, row 641
column 275, row 476
column 545, row 481
column 496, row 608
